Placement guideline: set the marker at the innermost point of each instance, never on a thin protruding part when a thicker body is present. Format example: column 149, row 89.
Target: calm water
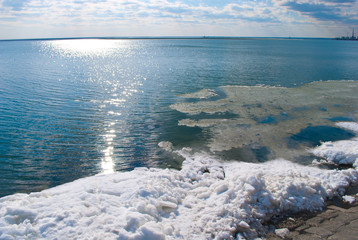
column 74, row 108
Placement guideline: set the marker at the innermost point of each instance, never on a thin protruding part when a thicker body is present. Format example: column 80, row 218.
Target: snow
column 206, row 199
column 168, row 146
column 349, row 199
column 353, row 126
column 340, row 152
column 282, row 232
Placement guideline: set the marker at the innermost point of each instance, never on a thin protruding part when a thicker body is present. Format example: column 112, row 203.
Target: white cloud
column 143, row 17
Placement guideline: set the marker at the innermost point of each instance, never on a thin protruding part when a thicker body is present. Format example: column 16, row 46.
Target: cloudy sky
column 116, row 18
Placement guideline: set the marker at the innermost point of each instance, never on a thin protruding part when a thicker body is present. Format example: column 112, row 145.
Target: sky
column 124, row 18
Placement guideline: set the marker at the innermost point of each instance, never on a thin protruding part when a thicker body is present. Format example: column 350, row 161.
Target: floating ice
column 202, row 94
column 268, row 116
column 167, row 146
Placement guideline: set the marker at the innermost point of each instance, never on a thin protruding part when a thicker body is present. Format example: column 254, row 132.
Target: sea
column 73, row 108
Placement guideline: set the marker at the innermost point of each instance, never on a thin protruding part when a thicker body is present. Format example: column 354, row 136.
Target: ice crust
column 207, row 199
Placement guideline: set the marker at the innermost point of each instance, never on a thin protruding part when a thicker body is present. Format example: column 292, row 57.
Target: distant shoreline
column 166, row 38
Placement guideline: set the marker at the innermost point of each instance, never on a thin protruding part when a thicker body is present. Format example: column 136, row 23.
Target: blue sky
column 115, row 18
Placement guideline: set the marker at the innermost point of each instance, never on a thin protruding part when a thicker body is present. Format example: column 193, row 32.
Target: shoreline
column 337, row 221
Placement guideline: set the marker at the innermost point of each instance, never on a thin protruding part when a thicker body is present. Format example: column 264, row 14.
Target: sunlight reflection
column 107, row 163
column 87, row 47
column 118, row 85
column 115, row 101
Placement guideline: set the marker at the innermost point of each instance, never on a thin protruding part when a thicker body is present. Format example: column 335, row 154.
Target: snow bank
column 340, row 152
column 206, row 199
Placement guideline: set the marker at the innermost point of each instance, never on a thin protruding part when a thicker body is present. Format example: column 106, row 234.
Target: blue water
column 69, row 107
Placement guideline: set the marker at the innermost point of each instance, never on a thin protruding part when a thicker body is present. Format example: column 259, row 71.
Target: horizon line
column 157, row 38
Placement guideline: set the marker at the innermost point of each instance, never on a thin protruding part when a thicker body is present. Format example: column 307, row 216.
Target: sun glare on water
column 88, row 47
column 107, row 163
column 111, row 81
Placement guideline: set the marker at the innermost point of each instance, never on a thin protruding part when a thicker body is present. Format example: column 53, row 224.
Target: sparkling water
column 75, row 108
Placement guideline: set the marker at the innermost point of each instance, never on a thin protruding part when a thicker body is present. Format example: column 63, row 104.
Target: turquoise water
column 75, row 108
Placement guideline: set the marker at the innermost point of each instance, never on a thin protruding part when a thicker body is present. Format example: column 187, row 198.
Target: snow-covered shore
column 206, row 199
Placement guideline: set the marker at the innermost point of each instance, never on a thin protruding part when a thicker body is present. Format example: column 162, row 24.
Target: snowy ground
column 207, row 199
